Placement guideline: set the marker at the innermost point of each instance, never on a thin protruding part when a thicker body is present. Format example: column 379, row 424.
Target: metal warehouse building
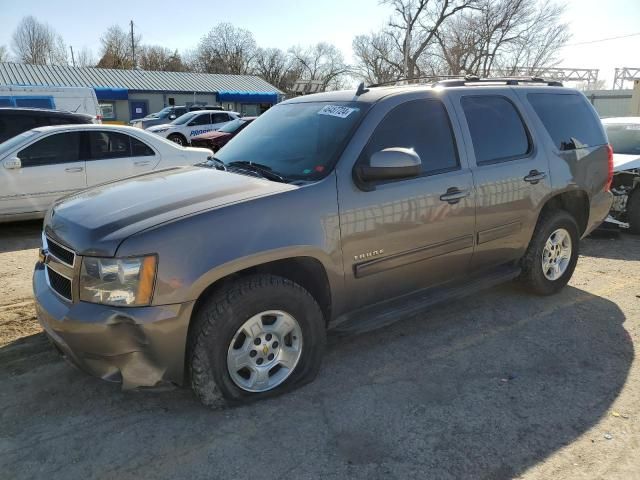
column 129, row 94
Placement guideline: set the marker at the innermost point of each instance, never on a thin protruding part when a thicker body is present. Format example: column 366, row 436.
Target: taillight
column 607, row 186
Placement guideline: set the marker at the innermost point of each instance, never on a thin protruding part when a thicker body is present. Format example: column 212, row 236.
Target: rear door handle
column 535, row 176
column 141, row 163
column 454, row 195
column 74, row 169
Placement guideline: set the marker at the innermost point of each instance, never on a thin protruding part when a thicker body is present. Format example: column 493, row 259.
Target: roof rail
column 415, row 80
column 474, row 80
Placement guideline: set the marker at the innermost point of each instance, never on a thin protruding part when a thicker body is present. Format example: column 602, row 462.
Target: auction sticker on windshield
column 337, row 111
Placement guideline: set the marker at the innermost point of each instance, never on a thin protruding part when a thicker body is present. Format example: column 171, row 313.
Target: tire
column 177, row 138
column 633, row 211
column 533, row 276
column 220, row 324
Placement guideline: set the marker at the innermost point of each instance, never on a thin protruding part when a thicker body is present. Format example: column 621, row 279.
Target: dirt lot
column 495, row 386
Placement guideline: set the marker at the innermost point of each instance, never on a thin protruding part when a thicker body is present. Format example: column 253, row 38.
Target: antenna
column 361, row 89
column 133, row 47
column 73, row 59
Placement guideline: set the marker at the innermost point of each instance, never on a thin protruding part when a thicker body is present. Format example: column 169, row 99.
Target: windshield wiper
column 213, row 162
column 262, row 170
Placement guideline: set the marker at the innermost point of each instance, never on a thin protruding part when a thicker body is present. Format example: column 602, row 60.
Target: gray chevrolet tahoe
column 342, row 209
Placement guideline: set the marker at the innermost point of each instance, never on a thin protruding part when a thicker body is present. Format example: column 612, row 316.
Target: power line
column 603, row 39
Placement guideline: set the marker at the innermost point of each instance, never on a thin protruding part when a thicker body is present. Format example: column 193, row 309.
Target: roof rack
column 414, row 79
column 474, row 80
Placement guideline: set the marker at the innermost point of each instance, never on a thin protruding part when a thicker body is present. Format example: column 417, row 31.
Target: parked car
column 73, row 99
column 624, row 136
column 192, row 124
column 217, row 139
column 168, row 114
column 46, row 163
column 14, row 121
column 331, row 209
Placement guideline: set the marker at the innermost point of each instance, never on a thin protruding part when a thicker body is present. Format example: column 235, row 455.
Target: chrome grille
column 59, row 283
column 61, row 253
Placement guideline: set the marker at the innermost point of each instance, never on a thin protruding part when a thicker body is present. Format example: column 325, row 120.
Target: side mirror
column 172, row 117
column 389, row 164
column 12, row 163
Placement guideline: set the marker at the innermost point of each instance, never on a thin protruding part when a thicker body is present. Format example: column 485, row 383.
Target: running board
column 388, row 312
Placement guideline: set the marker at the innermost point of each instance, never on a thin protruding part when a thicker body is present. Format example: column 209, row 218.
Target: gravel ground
column 495, row 386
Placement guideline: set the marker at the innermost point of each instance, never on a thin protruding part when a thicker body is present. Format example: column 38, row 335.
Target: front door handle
column 454, row 195
column 74, row 169
column 535, row 176
column 141, row 163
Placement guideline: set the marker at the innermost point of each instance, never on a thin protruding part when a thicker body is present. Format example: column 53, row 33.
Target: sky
column 283, row 23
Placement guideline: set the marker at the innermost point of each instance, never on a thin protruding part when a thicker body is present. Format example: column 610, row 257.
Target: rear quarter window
column 569, row 120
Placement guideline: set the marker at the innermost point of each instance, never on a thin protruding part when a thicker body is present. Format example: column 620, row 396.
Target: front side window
column 202, row 119
column 51, row 150
column 496, row 129
column 420, row 125
column 568, row 119
column 103, row 145
column 300, row 141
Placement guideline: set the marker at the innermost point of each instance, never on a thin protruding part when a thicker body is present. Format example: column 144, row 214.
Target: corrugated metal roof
column 140, row 80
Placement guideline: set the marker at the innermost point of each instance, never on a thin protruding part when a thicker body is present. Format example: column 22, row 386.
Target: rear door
column 115, row 155
column 220, row 119
column 510, row 173
column 50, row 168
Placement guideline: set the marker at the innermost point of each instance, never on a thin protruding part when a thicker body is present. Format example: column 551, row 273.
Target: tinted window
column 220, row 117
column 421, row 125
column 65, row 120
column 57, row 148
column 140, row 149
column 624, row 138
column 34, row 102
column 298, row 140
column 497, row 131
column 108, row 145
column 203, row 119
column 568, row 119
column 12, row 125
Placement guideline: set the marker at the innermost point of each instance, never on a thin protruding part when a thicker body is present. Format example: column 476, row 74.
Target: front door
column 49, row 168
column 510, row 171
column 114, row 155
column 199, row 124
column 139, row 109
column 401, row 236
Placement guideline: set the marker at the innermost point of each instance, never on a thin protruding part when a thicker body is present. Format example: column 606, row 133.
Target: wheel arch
column 575, row 202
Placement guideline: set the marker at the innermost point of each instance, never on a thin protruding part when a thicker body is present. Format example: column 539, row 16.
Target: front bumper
column 137, row 346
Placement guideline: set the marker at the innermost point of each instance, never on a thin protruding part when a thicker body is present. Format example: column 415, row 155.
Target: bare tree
column 323, row 62
column 116, row 50
column 37, row 43
column 377, row 61
column 155, row 57
column 85, row 58
column 502, row 36
column 4, row 54
column 414, row 25
column 225, row 49
column 277, row 68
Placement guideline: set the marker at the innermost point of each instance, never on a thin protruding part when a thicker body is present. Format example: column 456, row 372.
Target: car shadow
column 17, row 236
column 485, row 388
column 623, row 246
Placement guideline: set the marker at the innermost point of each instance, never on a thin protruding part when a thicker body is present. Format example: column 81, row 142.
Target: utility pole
column 133, row 47
column 73, row 59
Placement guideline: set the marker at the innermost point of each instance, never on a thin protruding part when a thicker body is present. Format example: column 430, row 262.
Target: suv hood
column 97, row 220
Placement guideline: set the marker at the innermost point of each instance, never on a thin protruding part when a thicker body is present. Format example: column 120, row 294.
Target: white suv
column 192, row 124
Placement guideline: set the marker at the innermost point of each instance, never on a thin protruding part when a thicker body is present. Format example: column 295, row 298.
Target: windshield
column 232, row 126
column 624, row 138
column 15, row 141
column 181, row 120
column 300, row 141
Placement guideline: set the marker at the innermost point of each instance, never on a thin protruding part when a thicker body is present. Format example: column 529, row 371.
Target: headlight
column 118, row 281
column 160, row 130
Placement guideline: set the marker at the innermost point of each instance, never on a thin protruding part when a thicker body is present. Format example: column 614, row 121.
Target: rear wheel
column 633, row 211
column 258, row 337
column 552, row 253
column 177, row 138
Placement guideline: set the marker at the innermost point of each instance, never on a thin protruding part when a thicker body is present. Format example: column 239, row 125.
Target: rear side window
column 103, row 145
column 422, row 125
column 56, row 148
column 12, row 125
column 140, row 149
column 220, row 117
column 568, row 119
column 496, row 128
column 65, row 120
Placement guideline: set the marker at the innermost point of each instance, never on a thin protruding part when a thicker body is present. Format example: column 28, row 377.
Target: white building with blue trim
column 129, row 94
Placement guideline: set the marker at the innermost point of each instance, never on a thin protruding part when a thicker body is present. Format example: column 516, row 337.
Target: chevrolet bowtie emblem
column 265, row 349
column 42, row 256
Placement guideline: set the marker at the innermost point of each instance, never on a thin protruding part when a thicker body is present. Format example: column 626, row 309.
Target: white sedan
column 192, row 124
column 46, row 163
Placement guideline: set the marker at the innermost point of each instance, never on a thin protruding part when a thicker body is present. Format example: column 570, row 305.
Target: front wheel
column 260, row 336
column 179, row 139
column 552, row 253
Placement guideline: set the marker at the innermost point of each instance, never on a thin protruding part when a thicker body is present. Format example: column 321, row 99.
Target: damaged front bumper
column 137, row 346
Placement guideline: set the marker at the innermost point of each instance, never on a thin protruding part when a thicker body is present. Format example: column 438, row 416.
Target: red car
column 217, row 139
